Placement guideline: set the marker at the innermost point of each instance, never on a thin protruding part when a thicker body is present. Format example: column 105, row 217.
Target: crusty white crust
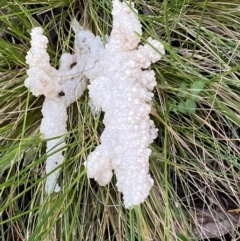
column 122, row 89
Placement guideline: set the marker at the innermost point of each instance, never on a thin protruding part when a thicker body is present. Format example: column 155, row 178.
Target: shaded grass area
column 194, row 161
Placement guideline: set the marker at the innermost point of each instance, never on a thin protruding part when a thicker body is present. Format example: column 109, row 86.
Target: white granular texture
column 60, row 87
column 122, row 89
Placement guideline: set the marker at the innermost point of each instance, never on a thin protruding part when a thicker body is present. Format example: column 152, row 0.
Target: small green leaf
column 190, row 105
column 196, row 88
column 183, row 90
column 182, row 107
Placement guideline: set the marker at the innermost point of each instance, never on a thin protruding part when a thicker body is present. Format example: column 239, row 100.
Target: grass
column 194, row 161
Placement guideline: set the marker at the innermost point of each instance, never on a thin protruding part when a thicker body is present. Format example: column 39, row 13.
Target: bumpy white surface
column 40, row 72
column 122, row 90
column 60, row 87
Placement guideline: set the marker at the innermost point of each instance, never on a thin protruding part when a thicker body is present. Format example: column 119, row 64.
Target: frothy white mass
column 121, row 86
column 60, row 87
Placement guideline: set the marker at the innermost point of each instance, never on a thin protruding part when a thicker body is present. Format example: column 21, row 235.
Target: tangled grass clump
column 195, row 159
